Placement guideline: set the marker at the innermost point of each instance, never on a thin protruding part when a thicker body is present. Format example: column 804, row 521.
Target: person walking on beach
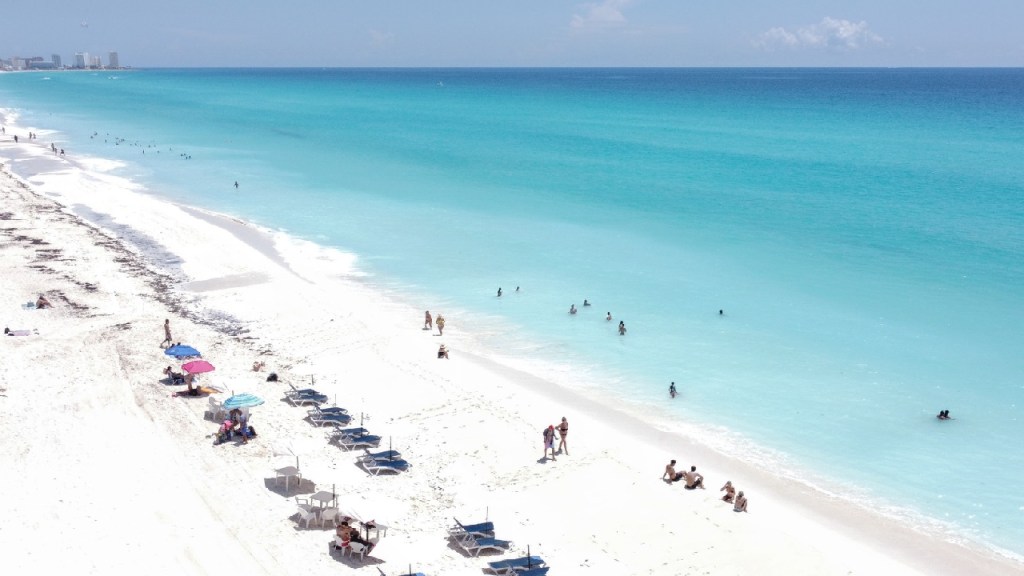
column 167, row 334
column 563, row 431
column 440, row 325
column 694, row 479
column 428, row 322
column 672, row 390
column 549, row 441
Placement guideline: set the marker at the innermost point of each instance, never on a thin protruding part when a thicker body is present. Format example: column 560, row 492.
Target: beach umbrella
column 198, row 367
column 243, row 400
column 182, row 351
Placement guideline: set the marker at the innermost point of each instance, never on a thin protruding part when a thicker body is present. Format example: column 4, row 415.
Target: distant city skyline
column 190, row 33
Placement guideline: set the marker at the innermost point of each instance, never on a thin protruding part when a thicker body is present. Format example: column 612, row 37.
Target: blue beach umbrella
column 181, row 351
column 244, row 400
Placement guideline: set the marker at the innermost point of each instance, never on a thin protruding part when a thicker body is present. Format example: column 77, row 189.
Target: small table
column 325, row 498
column 288, row 472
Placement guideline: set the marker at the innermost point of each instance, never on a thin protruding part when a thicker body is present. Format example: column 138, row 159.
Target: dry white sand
column 103, row 470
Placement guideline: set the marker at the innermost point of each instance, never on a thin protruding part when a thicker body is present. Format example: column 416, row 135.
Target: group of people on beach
column 694, row 480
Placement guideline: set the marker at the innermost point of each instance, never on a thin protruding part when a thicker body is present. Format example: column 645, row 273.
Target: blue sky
column 521, row 33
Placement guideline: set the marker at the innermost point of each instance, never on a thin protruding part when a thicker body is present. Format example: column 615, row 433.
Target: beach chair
column 317, row 410
column 483, row 529
column 305, row 399
column 303, row 392
column 307, row 515
column 533, row 572
column 361, row 549
column 512, row 565
column 375, row 467
column 321, row 419
column 385, row 455
column 216, row 410
column 353, row 442
column 473, row 546
column 339, row 434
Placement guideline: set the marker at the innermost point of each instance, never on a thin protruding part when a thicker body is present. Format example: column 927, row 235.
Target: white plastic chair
column 217, row 412
column 328, row 515
column 307, row 515
column 357, row 548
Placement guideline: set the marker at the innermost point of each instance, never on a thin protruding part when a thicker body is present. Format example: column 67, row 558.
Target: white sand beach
column 105, row 471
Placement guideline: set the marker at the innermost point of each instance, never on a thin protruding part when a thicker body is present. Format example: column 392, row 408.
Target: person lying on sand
column 10, row 332
column 42, row 302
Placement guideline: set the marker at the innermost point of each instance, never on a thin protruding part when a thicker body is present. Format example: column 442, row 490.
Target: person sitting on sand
column 258, row 365
column 694, row 479
column 730, row 492
column 42, row 302
column 741, row 503
column 670, row 473
column 442, row 352
column 175, row 377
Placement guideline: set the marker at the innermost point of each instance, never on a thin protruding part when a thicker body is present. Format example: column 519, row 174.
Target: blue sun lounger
column 511, row 565
column 378, row 456
column 353, row 442
column 482, row 529
column 375, row 467
column 473, row 546
column 533, row 572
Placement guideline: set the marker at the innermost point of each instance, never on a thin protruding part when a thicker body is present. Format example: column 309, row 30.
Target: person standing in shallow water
column 622, row 328
column 672, row 390
column 499, row 291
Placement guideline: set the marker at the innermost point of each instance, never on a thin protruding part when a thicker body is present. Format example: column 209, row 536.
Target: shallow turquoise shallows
column 861, row 230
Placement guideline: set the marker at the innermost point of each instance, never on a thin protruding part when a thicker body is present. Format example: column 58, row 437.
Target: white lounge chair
column 474, row 546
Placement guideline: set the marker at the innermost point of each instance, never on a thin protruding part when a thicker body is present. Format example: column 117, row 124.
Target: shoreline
column 388, row 330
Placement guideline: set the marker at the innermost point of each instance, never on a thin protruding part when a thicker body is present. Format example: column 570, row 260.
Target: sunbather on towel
column 10, row 332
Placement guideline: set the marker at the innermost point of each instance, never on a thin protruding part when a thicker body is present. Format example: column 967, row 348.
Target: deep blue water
column 863, row 231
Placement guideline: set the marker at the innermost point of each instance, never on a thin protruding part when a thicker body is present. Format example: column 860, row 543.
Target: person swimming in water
column 609, row 317
column 499, row 291
column 586, row 302
column 572, row 309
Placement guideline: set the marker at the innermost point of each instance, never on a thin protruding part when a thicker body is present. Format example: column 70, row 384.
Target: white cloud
column 830, row 33
column 606, row 14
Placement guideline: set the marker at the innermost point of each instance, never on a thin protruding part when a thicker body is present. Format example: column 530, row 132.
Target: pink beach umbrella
column 197, row 367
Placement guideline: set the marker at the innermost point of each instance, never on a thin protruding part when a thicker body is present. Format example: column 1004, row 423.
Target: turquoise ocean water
column 862, row 230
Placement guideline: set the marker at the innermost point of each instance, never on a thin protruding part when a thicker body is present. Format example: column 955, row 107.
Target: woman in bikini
column 563, row 431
